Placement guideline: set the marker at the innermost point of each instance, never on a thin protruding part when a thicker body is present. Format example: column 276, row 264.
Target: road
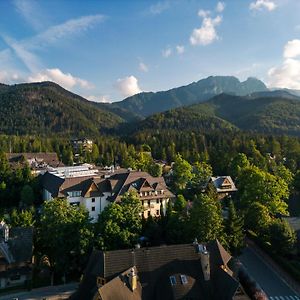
column 50, row 293
column 273, row 285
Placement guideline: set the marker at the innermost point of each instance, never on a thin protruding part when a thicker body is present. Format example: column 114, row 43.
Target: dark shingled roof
column 154, row 267
column 137, row 180
column 19, row 245
column 111, row 290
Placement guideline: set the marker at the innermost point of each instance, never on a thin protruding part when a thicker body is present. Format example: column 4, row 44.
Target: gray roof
column 223, row 184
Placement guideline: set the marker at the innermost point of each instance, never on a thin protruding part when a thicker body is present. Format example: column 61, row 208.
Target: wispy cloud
column 29, row 59
column 180, row 49
column 143, row 67
column 30, row 11
column 220, row 6
column 159, row 7
column 25, row 51
column 263, row 4
column 65, row 30
column 166, row 52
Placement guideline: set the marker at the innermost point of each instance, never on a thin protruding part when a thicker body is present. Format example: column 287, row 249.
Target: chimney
column 6, row 233
column 132, row 279
column 204, row 258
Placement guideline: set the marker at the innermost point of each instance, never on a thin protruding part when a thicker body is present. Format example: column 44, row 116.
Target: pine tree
column 234, row 230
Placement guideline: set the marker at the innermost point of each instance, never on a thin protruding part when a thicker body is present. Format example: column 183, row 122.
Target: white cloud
column 167, row 52
column 101, row 99
column 159, row 7
column 207, row 33
column 288, row 74
column 128, row 86
column 263, row 4
column 220, row 6
column 180, row 49
column 30, row 11
column 292, row 49
column 143, row 67
column 66, row 80
column 10, row 77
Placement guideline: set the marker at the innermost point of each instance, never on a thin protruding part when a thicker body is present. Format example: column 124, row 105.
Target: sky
column 109, row 50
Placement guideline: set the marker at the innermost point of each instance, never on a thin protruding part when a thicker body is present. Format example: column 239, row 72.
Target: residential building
column 39, row 162
column 189, row 271
column 223, row 185
column 95, row 192
column 16, row 247
column 82, row 145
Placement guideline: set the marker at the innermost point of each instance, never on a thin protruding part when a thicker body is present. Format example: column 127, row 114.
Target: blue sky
column 107, row 50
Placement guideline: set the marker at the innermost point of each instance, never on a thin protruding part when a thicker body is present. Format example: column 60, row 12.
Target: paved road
column 50, row 293
column 273, row 285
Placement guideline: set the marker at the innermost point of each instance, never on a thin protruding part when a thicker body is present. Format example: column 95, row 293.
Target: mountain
column 146, row 104
column 271, row 115
column 47, row 108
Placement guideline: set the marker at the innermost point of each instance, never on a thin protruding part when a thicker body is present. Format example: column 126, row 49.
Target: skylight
column 183, row 279
column 172, row 280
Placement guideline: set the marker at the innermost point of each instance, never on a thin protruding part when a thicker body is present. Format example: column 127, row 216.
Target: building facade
column 95, row 192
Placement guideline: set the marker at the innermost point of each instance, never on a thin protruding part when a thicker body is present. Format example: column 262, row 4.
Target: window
column 172, row 280
column 100, row 281
column 149, row 202
column 143, row 202
column 93, row 199
column 149, row 213
column 157, row 212
column 157, row 201
column 183, row 279
column 93, row 208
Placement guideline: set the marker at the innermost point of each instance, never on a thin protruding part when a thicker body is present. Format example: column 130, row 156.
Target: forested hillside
column 271, row 115
column 47, row 108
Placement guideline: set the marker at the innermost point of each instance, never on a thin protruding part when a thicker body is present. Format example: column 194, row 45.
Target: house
column 187, row 271
column 39, row 162
column 82, row 145
column 16, row 247
column 223, row 185
column 95, row 192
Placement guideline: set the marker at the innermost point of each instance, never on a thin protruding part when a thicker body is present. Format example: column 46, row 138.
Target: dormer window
column 173, row 280
column 183, row 279
column 74, row 194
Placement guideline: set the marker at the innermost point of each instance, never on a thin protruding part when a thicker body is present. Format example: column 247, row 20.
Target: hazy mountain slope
column 146, row 104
